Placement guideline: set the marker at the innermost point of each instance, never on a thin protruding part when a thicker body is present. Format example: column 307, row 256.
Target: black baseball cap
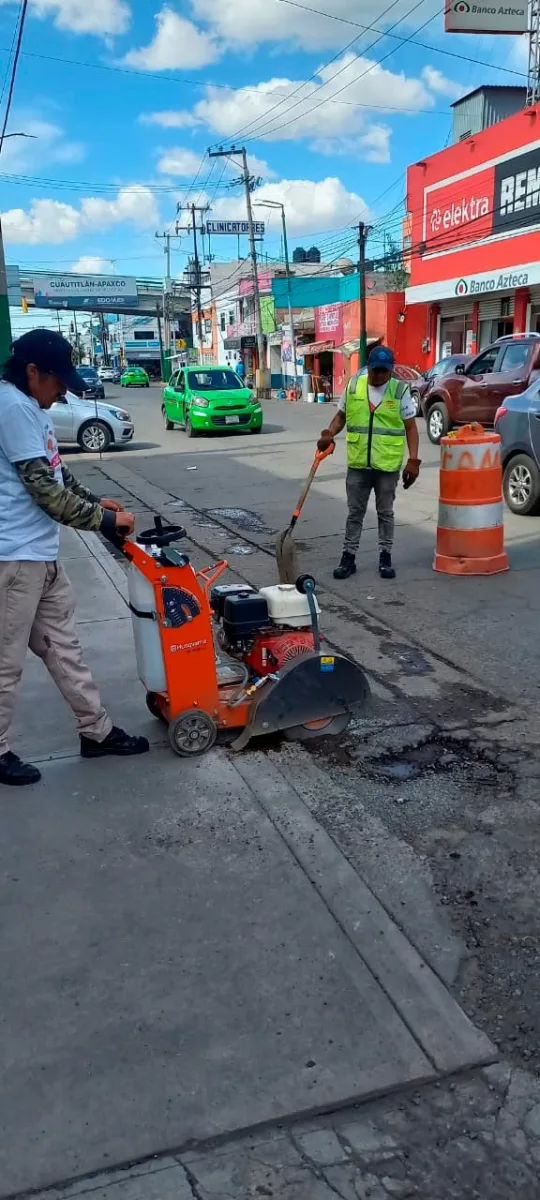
column 51, row 353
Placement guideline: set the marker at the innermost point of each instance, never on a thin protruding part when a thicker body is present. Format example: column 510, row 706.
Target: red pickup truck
column 476, row 389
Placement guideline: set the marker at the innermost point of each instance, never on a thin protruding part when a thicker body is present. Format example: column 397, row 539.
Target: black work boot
column 346, row 567
column 386, row 570
column 116, row 742
column 17, row 773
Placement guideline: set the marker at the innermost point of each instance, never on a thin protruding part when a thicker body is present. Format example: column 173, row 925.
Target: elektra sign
column 486, row 204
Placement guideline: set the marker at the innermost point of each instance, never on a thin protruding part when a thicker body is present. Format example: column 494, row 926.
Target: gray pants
column 37, row 611
column 360, row 484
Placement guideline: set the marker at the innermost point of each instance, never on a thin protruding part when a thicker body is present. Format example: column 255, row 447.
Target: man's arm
column 335, row 426
column 61, row 503
column 413, row 440
column 411, row 470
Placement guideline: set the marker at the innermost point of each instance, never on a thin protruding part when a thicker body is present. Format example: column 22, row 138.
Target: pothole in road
column 243, row 517
column 430, row 757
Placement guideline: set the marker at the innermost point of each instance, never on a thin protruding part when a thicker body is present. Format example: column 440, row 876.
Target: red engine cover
column 271, row 650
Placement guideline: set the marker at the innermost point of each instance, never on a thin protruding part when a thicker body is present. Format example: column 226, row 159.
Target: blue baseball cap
column 382, row 357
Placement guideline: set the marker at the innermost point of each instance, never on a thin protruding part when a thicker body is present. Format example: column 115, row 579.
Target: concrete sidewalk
column 185, row 952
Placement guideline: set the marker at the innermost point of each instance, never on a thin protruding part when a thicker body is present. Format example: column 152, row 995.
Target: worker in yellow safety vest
column 379, row 414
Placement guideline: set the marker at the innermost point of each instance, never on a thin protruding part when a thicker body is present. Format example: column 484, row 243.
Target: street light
column 278, row 204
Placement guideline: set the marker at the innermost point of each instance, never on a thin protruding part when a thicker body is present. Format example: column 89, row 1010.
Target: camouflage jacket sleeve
column 59, row 502
column 71, row 482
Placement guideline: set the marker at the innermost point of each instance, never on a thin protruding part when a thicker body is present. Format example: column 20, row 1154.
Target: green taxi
column 210, row 400
column 134, row 377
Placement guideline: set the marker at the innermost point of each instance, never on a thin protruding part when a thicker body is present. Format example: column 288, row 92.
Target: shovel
column 285, row 550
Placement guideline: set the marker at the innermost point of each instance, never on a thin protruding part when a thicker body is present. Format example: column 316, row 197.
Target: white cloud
column 90, row 264
column 170, row 119
column 438, row 83
column 46, row 144
column 178, row 161
column 251, row 22
column 311, row 207
column 102, row 17
column 53, row 222
column 265, row 113
column 177, row 43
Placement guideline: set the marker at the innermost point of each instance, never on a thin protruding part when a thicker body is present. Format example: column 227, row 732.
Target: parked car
column 109, row 374
column 134, row 377
column 518, row 422
column 205, row 399
column 446, row 366
column 476, row 390
column 93, row 387
column 94, row 426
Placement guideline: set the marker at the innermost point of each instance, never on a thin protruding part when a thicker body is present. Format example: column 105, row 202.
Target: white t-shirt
column 26, row 431
column 376, row 396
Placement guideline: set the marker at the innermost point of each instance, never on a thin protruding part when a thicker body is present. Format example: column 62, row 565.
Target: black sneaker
column 346, row 567
column 116, row 742
column 386, row 570
column 17, row 773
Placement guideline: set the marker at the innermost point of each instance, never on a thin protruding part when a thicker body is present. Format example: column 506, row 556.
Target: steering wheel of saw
column 161, row 535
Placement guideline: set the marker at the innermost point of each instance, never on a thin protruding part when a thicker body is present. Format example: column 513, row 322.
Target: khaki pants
column 37, row 610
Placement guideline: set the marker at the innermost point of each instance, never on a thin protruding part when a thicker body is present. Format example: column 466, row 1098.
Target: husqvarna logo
column 462, row 287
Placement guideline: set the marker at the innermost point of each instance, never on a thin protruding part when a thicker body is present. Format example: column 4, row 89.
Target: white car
column 95, row 425
column 108, row 374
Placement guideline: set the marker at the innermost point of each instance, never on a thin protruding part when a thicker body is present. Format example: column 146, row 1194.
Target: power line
column 245, row 128
column 424, row 45
column 403, row 41
column 13, row 75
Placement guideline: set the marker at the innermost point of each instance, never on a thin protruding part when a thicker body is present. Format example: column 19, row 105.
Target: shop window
column 223, row 322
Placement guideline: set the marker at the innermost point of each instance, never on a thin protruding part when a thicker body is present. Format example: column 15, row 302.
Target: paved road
column 488, row 623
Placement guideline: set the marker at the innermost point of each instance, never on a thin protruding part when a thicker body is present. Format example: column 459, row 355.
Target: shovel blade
column 286, row 557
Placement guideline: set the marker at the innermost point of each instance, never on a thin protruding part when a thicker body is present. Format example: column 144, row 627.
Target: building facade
column 474, row 212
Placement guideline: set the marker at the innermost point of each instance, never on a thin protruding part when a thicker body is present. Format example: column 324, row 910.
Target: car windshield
column 88, row 373
column 213, row 381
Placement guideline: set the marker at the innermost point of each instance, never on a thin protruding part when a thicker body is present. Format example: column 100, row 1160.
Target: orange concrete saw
column 229, row 658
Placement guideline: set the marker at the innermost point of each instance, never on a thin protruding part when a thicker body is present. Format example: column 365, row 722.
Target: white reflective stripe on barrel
column 468, row 457
column 471, row 516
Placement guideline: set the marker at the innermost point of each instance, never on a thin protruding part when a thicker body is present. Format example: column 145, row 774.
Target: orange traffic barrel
column 470, row 529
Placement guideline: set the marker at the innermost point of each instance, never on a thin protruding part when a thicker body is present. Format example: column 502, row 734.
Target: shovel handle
column 319, row 455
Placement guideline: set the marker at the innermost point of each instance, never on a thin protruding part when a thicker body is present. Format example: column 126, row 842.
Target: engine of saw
column 264, row 629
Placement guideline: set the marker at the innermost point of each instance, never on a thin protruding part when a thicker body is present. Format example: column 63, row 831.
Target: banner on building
column 462, row 16
column 86, row 291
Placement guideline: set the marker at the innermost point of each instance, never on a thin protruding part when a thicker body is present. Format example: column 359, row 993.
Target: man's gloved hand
column 326, row 439
column 411, row 472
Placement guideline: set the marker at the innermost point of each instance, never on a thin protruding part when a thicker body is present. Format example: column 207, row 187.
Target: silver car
column 95, row 425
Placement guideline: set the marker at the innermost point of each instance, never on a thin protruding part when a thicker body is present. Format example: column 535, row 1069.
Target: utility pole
column 195, row 280
column 249, row 182
column 533, row 82
column 278, row 204
column 363, row 231
column 166, row 237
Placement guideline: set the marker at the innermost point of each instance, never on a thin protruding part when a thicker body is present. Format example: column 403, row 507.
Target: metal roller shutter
column 534, row 293
column 491, row 307
column 456, row 308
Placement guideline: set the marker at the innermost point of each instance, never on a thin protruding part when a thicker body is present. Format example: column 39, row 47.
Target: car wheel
column 257, row 430
column 94, row 437
column 438, row 422
column 521, row 485
column 415, row 397
column 168, row 424
column 190, row 431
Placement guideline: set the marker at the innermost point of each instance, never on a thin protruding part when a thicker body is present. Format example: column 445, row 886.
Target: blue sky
column 125, row 96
